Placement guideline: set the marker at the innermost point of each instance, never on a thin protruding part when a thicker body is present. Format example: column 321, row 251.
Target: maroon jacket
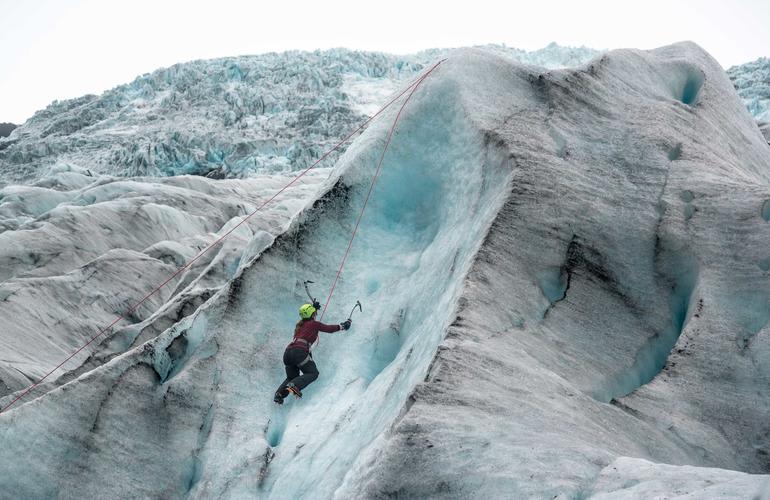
column 308, row 333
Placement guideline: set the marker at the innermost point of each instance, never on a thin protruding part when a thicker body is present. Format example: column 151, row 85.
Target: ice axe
column 358, row 305
column 312, row 299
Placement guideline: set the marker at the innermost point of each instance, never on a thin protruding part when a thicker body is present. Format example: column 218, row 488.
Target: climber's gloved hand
column 316, row 305
column 346, row 324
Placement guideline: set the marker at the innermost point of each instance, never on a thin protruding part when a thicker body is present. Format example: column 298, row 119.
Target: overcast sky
column 59, row 49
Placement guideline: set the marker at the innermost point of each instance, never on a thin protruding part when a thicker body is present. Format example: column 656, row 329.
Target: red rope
column 371, row 186
column 131, row 309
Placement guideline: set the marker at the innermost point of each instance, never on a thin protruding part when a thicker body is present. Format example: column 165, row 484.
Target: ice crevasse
column 563, row 289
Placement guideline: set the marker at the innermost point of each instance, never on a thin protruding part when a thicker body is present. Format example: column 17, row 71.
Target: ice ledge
column 631, row 478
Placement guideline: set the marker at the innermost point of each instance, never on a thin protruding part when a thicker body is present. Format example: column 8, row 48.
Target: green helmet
column 306, row 311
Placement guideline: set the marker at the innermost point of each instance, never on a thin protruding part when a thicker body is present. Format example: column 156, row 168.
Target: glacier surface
column 6, row 129
column 228, row 117
column 752, row 81
column 565, row 285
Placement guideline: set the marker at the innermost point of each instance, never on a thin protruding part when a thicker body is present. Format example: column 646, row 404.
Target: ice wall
column 429, row 213
column 617, row 306
column 440, row 187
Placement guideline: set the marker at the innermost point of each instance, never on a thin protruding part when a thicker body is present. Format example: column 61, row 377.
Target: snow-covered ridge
column 229, row 117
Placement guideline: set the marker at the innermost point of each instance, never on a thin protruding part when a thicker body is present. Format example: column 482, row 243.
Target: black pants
column 296, row 359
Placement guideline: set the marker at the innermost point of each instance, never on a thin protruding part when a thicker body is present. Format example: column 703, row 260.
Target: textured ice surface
column 90, row 247
column 227, row 117
column 617, row 307
column 564, row 283
column 6, row 129
column 764, row 127
column 633, row 478
column 752, row 80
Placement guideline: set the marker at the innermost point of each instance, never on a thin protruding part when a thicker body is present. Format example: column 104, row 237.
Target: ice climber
column 297, row 355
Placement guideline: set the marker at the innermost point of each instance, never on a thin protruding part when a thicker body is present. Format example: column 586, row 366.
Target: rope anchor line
column 374, row 181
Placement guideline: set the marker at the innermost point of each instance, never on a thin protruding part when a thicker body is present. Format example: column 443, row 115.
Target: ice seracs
column 752, row 81
column 225, row 118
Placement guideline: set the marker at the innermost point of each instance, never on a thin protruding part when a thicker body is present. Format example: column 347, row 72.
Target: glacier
column 564, row 281
column 752, row 81
column 595, row 314
column 6, row 129
column 225, row 118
